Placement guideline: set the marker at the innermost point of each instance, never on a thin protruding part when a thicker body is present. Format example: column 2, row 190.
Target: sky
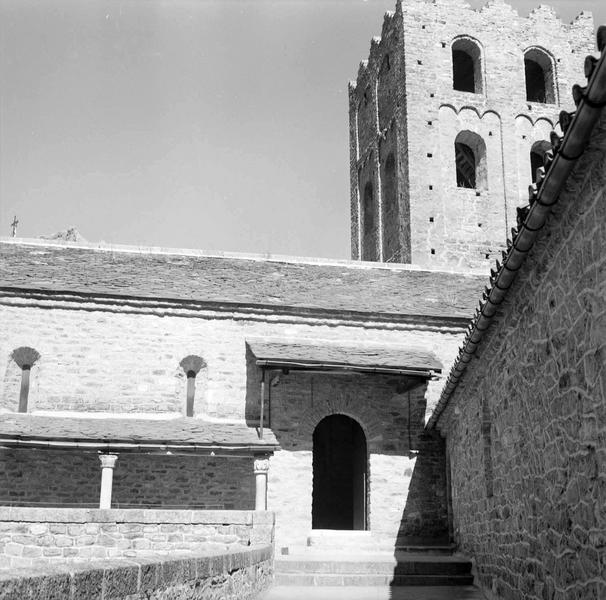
column 217, row 125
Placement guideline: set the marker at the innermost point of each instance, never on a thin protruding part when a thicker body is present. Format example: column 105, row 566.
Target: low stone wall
column 31, row 536
column 220, row 575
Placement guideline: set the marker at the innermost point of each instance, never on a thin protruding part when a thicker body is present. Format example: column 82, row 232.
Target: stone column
column 261, row 466
column 108, row 461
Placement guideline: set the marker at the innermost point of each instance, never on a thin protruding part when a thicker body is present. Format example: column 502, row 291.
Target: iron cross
column 14, row 226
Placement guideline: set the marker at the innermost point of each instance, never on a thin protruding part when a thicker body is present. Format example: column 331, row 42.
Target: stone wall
column 53, row 477
column 34, row 536
column 221, row 575
column 121, row 359
column 525, row 428
column 420, row 116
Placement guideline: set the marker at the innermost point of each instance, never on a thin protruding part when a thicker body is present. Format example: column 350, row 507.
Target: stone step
column 375, row 565
column 300, row 549
column 446, row 549
column 370, row 580
column 373, row 541
column 329, row 568
column 328, row 538
column 373, row 547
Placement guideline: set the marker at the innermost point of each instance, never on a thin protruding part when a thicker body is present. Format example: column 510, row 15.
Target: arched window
column 192, row 366
column 470, row 156
column 368, row 224
column 25, row 358
column 467, row 66
column 537, row 154
column 540, row 80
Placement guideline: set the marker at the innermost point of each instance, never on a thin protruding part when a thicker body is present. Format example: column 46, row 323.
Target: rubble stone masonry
column 526, row 427
column 34, row 536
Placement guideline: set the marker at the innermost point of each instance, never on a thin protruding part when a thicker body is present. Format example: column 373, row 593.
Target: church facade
column 174, row 361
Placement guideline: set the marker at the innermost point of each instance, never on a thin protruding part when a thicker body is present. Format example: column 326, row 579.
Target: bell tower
column 448, row 116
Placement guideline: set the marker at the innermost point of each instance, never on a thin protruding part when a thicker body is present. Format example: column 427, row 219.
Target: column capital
column 108, row 461
column 261, row 464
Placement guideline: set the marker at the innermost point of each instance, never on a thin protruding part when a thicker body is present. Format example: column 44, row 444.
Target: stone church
column 165, row 400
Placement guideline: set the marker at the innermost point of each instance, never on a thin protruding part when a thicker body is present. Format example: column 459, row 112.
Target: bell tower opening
column 340, row 466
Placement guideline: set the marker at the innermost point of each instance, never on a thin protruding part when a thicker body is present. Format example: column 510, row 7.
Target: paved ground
column 372, row 593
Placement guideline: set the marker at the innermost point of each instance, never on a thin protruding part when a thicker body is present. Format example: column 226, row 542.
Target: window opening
column 24, row 392
column 467, row 66
column 191, row 392
column 192, row 366
column 539, row 72
column 470, row 159
column 466, row 166
column 25, row 358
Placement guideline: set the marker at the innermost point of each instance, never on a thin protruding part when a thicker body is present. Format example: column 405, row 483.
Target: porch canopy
column 106, row 434
column 327, row 356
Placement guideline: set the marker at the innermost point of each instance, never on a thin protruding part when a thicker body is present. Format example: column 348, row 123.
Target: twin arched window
column 467, row 72
column 470, row 156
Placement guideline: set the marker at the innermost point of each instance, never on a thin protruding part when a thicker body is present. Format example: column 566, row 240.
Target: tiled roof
column 361, row 356
column 107, row 433
column 550, row 181
column 244, row 281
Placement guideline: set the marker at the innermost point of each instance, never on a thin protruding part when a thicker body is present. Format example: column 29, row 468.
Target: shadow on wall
column 424, row 520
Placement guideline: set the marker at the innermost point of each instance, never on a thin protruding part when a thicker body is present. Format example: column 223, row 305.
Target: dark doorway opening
column 339, row 474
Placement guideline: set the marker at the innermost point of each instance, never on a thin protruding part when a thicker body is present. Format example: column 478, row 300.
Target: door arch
column 340, row 469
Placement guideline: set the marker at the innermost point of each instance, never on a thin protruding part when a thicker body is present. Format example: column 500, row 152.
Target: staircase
column 359, row 559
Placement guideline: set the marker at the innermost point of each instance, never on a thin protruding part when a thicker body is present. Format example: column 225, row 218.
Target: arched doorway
column 339, row 474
